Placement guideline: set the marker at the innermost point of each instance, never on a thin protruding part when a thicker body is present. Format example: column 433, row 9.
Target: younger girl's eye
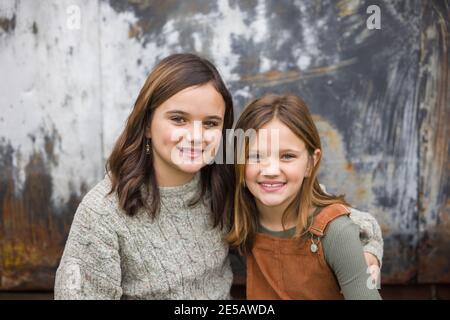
column 178, row 120
column 288, row 156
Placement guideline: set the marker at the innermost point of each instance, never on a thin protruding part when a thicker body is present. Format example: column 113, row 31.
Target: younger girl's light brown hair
column 294, row 113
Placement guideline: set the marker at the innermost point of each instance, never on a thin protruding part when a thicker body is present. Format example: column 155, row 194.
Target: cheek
column 163, row 134
column 295, row 173
column 251, row 172
column 212, row 137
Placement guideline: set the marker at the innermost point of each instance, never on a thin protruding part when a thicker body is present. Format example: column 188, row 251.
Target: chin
column 271, row 202
column 191, row 168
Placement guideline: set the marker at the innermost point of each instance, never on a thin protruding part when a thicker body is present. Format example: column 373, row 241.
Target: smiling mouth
column 190, row 152
column 271, row 186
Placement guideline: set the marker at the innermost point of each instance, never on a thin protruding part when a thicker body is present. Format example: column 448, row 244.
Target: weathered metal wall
column 380, row 99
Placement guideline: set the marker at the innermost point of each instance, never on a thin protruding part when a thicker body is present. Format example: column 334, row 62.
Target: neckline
column 273, row 231
column 183, row 189
column 283, row 232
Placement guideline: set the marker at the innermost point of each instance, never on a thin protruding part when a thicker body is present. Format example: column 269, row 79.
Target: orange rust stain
column 361, row 193
column 273, row 75
column 33, row 235
column 134, row 31
column 276, row 77
column 349, row 166
column 345, row 8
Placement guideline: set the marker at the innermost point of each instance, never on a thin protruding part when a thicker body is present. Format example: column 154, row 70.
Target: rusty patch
column 8, row 24
column 33, row 231
column 135, row 31
column 276, row 77
column 347, row 7
column 434, row 249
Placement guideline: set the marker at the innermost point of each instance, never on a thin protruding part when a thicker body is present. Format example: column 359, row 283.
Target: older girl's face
column 185, row 133
column 277, row 164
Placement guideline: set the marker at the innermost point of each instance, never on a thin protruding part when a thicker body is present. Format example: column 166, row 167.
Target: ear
column 315, row 157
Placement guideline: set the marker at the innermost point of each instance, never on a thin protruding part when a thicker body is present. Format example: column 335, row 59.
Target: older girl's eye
column 178, row 120
column 210, row 124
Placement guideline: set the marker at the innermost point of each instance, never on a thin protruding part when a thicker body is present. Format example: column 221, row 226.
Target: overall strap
column 328, row 214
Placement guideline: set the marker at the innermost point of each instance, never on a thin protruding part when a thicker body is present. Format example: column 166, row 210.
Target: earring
column 147, row 148
column 243, row 183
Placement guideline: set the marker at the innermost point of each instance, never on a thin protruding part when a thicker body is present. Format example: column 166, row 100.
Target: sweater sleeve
column 90, row 265
column 369, row 232
column 344, row 254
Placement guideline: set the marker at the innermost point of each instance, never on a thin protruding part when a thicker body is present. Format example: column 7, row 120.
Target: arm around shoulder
column 370, row 233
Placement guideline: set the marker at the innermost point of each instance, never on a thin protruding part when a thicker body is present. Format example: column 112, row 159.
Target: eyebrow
column 281, row 151
column 289, row 150
column 183, row 113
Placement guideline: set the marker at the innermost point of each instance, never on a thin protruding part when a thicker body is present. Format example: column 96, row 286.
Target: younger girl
column 299, row 241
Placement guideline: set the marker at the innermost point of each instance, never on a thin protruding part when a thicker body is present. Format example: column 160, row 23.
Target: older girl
column 152, row 228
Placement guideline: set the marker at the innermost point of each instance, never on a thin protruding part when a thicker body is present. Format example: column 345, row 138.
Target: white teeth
column 272, row 185
column 191, row 151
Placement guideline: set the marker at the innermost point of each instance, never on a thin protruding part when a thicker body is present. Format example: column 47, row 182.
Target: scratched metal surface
column 379, row 97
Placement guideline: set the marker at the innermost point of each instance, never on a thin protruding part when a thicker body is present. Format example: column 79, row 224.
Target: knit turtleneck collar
column 181, row 190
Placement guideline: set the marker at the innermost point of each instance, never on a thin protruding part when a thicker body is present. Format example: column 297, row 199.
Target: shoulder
column 341, row 237
column 98, row 211
column 341, row 231
column 99, row 201
column 359, row 216
column 369, row 227
column 341, row 223
column 97, row 215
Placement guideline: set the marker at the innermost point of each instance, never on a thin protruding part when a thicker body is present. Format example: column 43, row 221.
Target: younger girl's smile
column 272, row 186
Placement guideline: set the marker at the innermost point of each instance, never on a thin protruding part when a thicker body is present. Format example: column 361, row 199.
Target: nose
column 195, row 134
column 270, row 167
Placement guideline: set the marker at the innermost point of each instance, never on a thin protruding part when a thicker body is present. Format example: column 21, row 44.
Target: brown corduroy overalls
column 286, row 268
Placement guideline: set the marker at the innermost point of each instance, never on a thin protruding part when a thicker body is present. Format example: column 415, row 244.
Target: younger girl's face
column 276, row 166
column 185, row 132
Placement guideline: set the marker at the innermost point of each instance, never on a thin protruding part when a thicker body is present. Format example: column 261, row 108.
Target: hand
column 373, row 268
column 371, row 260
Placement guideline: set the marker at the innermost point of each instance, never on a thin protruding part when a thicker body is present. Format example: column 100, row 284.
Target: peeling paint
column 48, row 102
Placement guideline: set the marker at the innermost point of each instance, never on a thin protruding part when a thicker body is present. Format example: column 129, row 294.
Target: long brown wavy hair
column 130, row 168
column 293, row 112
